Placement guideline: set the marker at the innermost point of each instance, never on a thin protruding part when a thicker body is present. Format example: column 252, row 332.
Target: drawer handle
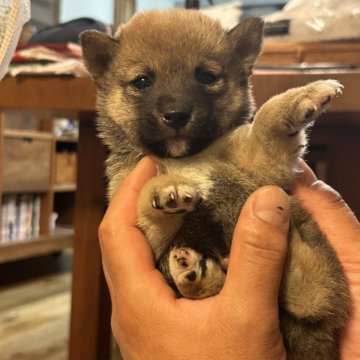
column 28, row 139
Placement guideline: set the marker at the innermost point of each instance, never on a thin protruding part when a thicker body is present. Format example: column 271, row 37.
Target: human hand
column 342, row 229
column 241, row 322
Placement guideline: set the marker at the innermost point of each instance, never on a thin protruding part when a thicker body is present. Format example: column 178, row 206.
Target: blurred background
column 49, row 12
column 54, row 303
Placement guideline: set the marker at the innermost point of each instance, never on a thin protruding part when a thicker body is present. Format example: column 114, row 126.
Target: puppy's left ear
column 246, row 39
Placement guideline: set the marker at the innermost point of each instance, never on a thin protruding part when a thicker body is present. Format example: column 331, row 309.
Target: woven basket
column 13, row 15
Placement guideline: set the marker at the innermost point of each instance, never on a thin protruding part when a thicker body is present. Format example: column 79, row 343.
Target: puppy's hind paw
column 322, row 93
column 194, row 275
column 311, row 102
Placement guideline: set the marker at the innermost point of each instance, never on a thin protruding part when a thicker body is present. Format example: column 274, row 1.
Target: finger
column 126, row 253
column 124, row 201
column 258, row 250
column 118, row 232
column 108, row 280
column 304, row 174
column 332, row 214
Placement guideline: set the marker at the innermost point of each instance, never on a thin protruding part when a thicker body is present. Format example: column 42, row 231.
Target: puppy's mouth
column 175, row 146
column 167, row 142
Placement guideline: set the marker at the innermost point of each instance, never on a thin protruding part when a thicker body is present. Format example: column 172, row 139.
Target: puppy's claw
column 156, row 203
column 176, row 199
column 187, row 199
column 182, row 262
column 338, row 91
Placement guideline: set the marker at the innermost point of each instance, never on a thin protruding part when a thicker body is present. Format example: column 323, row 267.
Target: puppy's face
column 173, row 81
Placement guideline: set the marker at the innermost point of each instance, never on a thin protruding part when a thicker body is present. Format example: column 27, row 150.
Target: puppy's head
column 173, row 81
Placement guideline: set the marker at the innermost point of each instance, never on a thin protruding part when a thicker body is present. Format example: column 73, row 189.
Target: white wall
column 158, row 4
column 102, row 10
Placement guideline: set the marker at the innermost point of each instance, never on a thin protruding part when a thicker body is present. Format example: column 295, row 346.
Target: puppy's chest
column 216, row 178
column 221, row 172
column 195, row 171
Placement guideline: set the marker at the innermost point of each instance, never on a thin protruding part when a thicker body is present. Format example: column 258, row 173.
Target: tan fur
column 210, row 163
column 306, row 297
column 201, row 286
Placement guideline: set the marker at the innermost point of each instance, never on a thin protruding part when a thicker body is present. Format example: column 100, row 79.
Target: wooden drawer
column 65, row 167
column 26, row 163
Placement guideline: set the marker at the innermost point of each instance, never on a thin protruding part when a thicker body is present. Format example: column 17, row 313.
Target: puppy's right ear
column 98, row 51
column 246, row 38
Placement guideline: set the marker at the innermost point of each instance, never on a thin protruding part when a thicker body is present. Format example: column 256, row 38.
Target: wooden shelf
column 67, row 139
column 64, row 187
column 59, row 240
column 10, row 133
column 28, row 163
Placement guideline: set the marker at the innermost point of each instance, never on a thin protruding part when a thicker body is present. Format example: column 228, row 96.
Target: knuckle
column 105, row 231
column 331, row 198
column 114, row 323
column 102, row 231
column 264, row 244
column 115, row 327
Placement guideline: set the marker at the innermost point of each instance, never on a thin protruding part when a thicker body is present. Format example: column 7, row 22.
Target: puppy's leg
column 312, row 275
column 277, row 136
column 311, row 278
column 163, row 202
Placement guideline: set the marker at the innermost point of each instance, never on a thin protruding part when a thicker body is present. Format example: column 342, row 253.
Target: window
column 250, row 7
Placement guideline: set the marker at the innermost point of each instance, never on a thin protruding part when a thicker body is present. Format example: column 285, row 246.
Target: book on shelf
column 20, row 218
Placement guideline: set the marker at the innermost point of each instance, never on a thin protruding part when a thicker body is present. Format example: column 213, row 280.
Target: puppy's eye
column 206, row 77
column 142, row 82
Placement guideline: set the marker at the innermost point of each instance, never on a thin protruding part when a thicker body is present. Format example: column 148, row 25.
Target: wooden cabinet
column 35, row 193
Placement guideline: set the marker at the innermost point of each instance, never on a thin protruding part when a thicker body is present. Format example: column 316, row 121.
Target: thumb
column 258, row 249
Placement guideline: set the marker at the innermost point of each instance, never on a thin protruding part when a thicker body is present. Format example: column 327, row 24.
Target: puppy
column 175, row 85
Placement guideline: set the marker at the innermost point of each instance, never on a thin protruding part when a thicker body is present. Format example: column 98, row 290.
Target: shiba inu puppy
column 175, row 85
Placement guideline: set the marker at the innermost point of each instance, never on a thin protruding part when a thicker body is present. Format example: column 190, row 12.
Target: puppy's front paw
column 194, row 275
column 176, row 198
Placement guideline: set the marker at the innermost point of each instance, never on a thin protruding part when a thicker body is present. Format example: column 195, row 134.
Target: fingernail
column 144, row 160
column 271, row 204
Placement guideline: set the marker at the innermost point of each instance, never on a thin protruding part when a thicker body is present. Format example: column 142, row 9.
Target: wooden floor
column 35, row 296
column 34, row 318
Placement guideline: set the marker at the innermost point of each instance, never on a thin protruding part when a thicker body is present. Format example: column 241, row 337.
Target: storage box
column 65, row 167
column 26, row 163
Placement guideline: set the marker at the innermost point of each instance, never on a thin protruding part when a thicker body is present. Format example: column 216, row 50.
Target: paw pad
column 176, row 199
column 319, row 96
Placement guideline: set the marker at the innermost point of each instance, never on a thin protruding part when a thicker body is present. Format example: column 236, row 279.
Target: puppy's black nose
column 176, row 118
